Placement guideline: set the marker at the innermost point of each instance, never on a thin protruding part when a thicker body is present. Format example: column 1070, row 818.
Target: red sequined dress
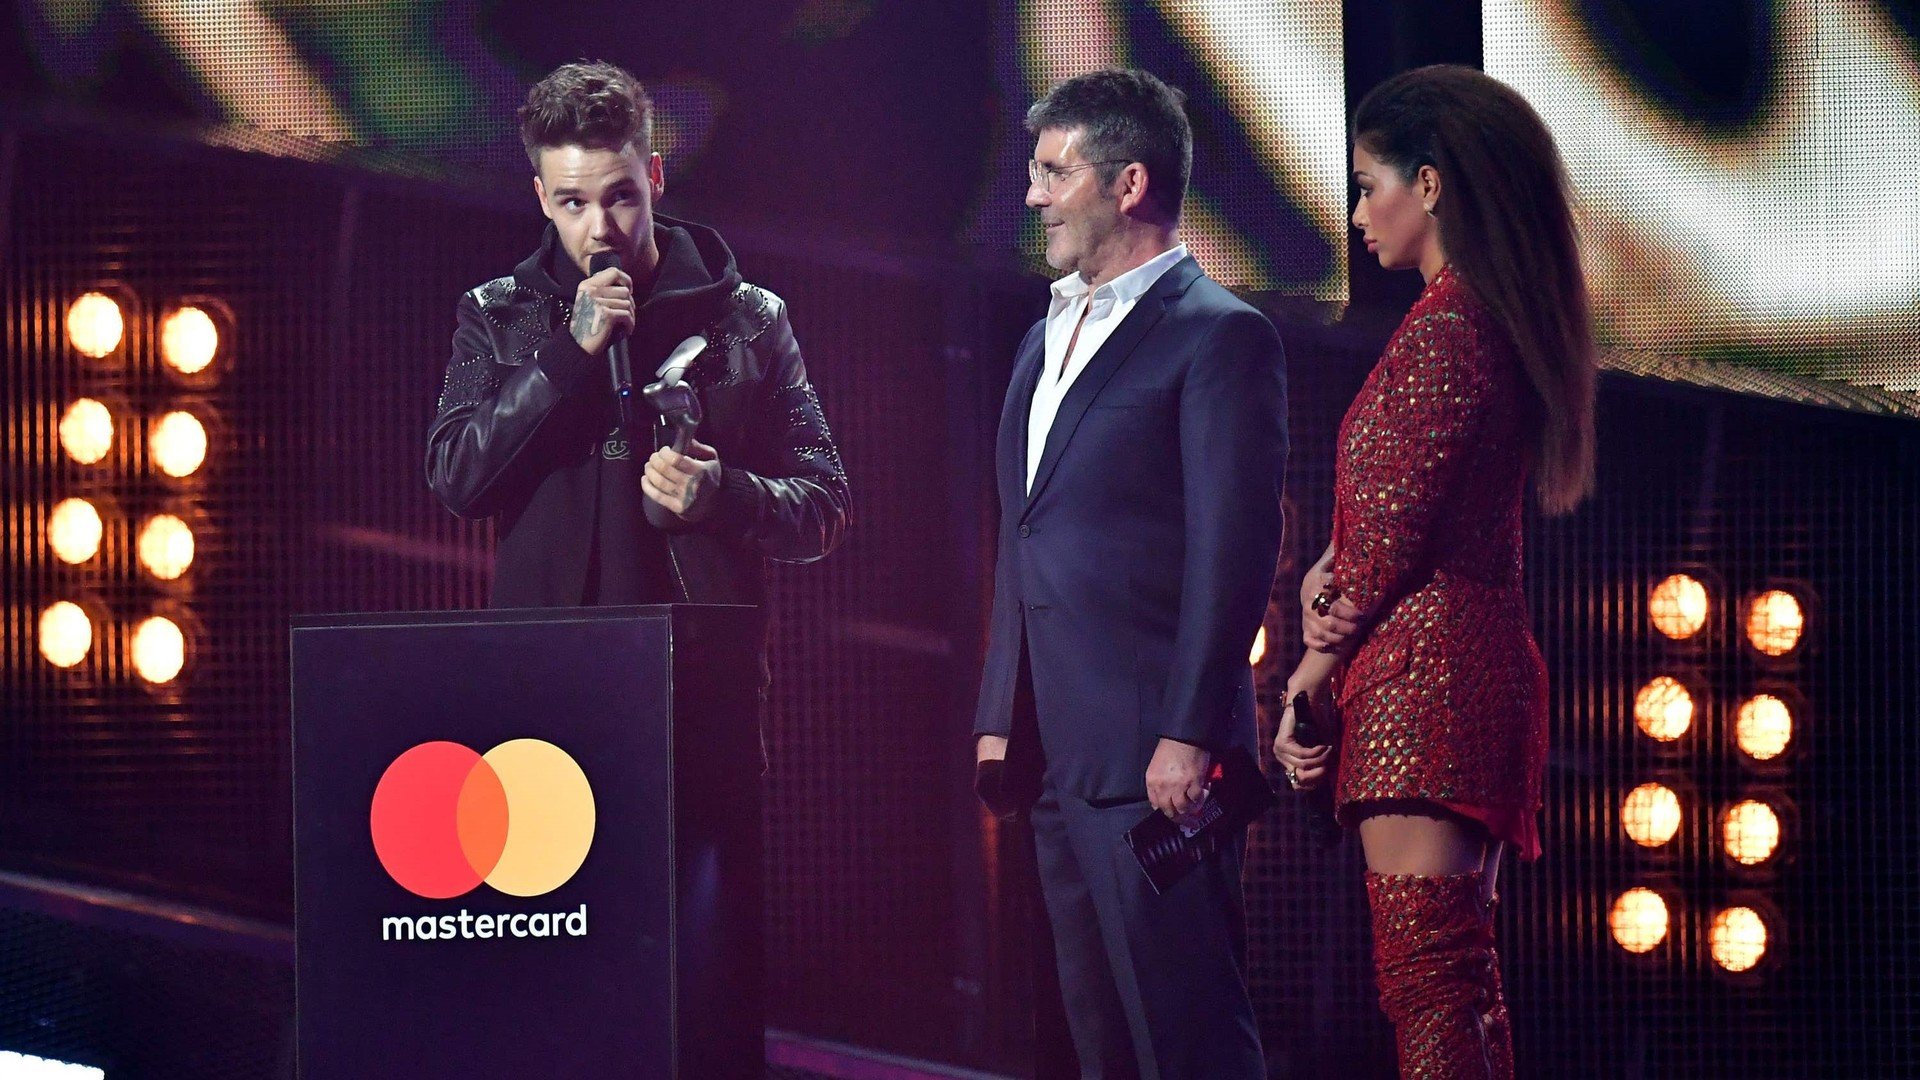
column 1446, row 699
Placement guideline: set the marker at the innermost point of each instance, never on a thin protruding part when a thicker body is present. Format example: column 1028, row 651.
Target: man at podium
column 604, row 492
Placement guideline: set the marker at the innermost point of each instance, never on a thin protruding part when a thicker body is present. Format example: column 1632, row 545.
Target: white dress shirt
column 1110, row 304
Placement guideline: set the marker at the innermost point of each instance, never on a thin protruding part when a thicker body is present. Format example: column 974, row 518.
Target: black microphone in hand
column 618, row 363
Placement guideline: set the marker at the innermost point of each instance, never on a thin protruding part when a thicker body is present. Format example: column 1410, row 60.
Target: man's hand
column 685, row 484
column 1177, row 778
column 602, row 306
column 990, row 776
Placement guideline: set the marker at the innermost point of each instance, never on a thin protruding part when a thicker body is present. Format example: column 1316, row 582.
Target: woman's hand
column 1328, row 633
column 1306, row 766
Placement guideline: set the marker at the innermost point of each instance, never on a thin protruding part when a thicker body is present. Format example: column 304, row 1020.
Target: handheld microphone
column 618, row 363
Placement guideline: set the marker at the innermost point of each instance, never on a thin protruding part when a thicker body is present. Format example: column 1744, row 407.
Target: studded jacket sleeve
column 788, row 493
column 1406, row 451
column 492, row 411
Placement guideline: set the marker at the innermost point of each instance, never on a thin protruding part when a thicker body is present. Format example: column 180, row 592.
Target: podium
column 527, row 843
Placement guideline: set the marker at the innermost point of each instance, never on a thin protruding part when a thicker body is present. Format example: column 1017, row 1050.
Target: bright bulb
column 179, row 444
column 1651, row 814
column 1679, row 607
column 159, row 649
column 1752, row 832
column 1775, row 622
column 86, row 431
column 94, row 326
column 1738, row 938
column 1764, row 727
column 1663, row 708
column 1638, row 920
column 65, row 634
column 188, row 340
column 73, row 530
column 1259, row 652
column 166, row 546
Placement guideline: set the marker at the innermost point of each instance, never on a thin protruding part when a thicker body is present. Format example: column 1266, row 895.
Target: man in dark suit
column 1140, row 459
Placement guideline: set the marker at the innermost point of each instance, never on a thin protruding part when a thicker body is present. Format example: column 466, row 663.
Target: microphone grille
column 601, row 260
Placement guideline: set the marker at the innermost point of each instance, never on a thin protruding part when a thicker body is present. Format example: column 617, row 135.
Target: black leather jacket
column 524, row 412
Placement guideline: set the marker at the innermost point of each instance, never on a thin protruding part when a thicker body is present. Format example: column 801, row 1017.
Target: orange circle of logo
column 519, row 817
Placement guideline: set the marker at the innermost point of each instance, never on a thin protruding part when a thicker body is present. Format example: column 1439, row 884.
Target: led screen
column 1265, row 91
column 1761, row 210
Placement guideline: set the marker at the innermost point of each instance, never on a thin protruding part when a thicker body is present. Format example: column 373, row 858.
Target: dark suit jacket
column 1133, row 579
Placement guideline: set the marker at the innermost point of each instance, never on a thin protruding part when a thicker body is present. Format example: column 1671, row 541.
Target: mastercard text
column 468, row 926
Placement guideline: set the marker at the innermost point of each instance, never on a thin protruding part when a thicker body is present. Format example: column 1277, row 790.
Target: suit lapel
column 1101, row 368
column 1013, row 422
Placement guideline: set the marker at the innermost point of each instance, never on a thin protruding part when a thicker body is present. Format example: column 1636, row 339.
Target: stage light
column 166, row 546
column 1775, row 622
column 1259, row 648
column 1638, row 920
column 1651, row 814
column 179, row 443
column 159, row 649
column 94, row 326
column 66, row 634
column 73, row 531
column 86, row 431
column 1764, row 727
column 1679, row 607
column 188, row 340
column 1664, row 708
column 1738, row 938
column 1751, row 830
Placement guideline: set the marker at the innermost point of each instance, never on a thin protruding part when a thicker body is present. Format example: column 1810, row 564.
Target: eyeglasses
column 1043, row 176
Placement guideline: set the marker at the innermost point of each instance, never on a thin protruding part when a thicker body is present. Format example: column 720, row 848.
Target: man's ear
column 540, row 193
column 1133, row 183
column 656, row 176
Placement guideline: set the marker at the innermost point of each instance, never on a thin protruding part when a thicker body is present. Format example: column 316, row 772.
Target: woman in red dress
column 1416, row 618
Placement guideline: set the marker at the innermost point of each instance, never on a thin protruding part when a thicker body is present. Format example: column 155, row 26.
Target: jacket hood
column 691, row 287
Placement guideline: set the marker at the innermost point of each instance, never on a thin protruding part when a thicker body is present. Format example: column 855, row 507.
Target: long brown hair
column 1506, row 222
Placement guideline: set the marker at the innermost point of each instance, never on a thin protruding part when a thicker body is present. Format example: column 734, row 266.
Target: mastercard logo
column 519, row 818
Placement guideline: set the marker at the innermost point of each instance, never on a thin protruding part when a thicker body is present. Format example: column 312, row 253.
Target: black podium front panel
column 501, row 868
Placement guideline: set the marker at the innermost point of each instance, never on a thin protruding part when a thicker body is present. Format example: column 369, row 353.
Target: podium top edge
column 505, row 616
